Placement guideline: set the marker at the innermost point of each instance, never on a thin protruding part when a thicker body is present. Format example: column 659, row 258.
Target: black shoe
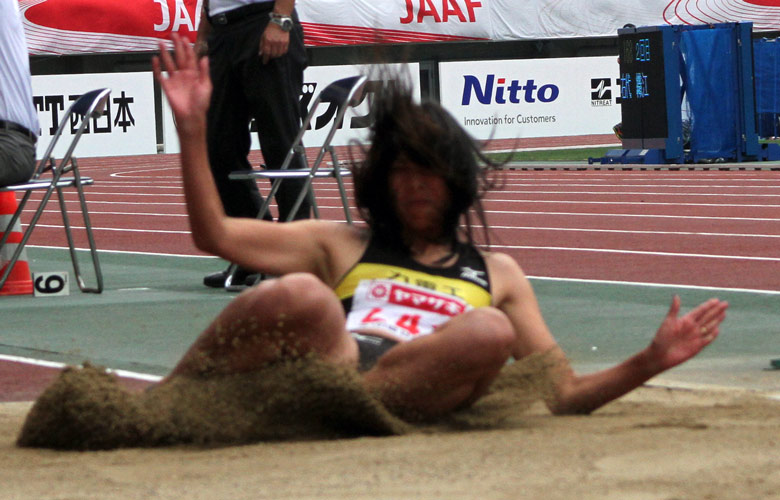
column 215, row 280
column 242, row 278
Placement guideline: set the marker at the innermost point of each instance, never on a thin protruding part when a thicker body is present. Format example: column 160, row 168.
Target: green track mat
column 153, row 307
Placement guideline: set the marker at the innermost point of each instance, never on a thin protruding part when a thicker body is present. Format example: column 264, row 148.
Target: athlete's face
column 421, row 198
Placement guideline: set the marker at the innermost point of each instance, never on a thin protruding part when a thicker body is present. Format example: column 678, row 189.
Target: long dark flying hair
column 426, row 134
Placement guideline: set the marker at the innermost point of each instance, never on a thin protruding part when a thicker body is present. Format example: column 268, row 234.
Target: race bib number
column 405, row 311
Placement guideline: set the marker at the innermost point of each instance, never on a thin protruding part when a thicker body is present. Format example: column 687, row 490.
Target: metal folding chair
column 49, row 176
column 344, row 93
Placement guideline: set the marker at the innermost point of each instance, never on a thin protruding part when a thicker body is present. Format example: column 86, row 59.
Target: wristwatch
column 284, row 22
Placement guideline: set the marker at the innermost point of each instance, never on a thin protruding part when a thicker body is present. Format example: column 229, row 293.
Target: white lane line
column 52, row 364
column 180, row 194
column 510, row 212
column 118, row 229
column 638, row 252
column 626, row 231
column 144, row 203
column 657, row 285
column 659, row 216
column 631, row 203
column 118, row 194
column 695, row 185
column 475, row 226
column 130, row 252
column 646, row 193
column 98, row 212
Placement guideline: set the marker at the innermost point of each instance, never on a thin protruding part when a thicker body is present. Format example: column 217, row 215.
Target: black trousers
column 245, row 88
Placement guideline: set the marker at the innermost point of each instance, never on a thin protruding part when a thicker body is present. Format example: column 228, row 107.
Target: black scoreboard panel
column 642, row 84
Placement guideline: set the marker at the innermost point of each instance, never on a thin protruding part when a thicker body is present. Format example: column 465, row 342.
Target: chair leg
column 340, row 183
column 90, row 238
column 92, row 244
column 313, row 201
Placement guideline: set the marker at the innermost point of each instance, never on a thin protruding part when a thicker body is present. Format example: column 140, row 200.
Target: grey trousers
column 17, row 157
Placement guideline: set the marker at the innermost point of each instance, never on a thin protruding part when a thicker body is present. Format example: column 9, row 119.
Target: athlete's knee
column 490, row 335
column 304, row 293
column 292, row 293
column 306, row 307
column 489, row 324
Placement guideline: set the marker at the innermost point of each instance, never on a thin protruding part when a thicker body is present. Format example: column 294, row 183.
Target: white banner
column 533, row 97
column 355, row 124
column 127, row 127
column 78, row 26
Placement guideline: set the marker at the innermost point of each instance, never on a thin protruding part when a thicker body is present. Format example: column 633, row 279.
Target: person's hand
column 274, row 42
column 186, row 85
column 679, row 339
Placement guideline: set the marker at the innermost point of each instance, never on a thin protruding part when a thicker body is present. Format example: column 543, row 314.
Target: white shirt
column 220, row 6
column 16, row 104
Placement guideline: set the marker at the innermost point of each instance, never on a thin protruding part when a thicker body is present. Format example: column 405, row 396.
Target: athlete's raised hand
column 186, row 83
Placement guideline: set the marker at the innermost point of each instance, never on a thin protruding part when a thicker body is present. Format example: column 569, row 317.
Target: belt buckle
column 220, row 19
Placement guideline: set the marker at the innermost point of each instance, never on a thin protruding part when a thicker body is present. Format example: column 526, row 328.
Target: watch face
column 284, row 22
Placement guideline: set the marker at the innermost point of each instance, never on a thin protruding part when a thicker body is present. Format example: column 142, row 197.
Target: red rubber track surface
column 24, row 382
column 718, row 228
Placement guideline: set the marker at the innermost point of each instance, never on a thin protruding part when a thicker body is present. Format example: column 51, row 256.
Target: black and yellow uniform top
column 391, row 292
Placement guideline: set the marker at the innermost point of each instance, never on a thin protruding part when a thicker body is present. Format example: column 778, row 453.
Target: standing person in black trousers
column 256, row 57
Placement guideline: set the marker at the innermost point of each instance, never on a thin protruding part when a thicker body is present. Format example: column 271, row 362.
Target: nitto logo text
column 496, row 90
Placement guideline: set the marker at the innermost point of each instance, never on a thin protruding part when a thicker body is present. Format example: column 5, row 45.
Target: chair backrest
column 89, row 105
column 345, row 91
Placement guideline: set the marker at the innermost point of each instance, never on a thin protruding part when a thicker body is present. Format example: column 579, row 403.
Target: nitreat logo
column 600, row 92
column 497, row 90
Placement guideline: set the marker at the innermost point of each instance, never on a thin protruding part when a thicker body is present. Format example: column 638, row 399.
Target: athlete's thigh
column 288, row 317
column 448, row 369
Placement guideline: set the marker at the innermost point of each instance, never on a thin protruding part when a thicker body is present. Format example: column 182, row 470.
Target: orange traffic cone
column 19, row 281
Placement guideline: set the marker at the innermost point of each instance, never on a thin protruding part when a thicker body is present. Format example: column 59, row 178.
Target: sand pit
column 656, row 443
column 86, row 408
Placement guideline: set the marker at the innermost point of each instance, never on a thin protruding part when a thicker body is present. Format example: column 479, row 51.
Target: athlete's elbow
column 557, row 407
column 206, row 242
column 565, row 400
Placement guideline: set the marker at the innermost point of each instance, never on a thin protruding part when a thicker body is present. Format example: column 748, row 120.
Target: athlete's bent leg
column 282, row 318
column 448, row 369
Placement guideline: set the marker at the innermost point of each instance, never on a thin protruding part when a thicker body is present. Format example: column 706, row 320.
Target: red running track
column 691, row 227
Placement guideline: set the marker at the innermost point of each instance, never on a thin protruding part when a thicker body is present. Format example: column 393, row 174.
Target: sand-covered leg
column 283, row 318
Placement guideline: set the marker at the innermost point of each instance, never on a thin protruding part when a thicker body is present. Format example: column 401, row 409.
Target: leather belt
column 6, row 125
column 232, row 16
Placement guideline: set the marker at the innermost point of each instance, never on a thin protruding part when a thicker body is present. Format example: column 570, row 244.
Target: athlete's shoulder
column 501, row 260
column 503, row 269
column 331, row 230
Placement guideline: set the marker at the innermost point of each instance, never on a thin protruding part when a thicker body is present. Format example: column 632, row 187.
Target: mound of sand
column 86, row 408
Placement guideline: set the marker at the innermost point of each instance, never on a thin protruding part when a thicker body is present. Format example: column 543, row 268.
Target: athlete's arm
column 255, row 244
column 677, row 340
